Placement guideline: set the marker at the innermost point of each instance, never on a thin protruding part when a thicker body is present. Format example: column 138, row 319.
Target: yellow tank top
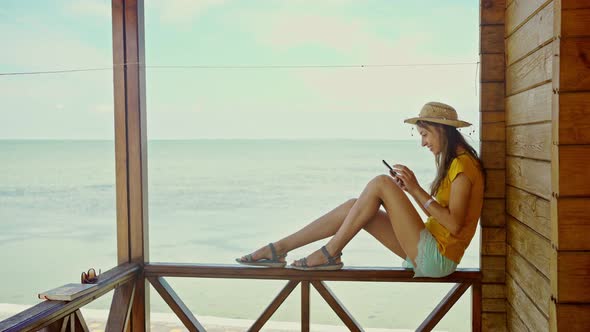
column 449, row 245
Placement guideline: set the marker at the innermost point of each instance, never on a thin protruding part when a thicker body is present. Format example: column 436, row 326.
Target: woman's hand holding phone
column 394, row 174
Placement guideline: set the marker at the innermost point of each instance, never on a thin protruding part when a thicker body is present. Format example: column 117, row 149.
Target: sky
column 251, row 103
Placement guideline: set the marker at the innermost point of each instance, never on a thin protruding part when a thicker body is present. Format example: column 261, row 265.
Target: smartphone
column 391, row 169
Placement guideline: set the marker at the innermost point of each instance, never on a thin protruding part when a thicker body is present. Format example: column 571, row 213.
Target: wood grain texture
column 527, row 311
column 493, row 269
column 514, row 322
column 531, row 210
column 575, row 4
column 493, row 322
column 570, row 222
column 530, row 106
column 570, row 317
column 574, row 65
column 120, row 310
column 531, row 71
column 492, row 96
column 492, row 126
column 493, row 213
column 492, row 68
column 492, row 11
column 520, row 11
column 530, row 245
column 533, row 176
column 494, row 291
column 570, row 165
column 495, row 183
column 571, row 276
column 530, row 141
column 535, row 33
column 571, row 124
column 492, row 39
column 493, row 154
column 493, row 241
column 532, row 282
column 574, row 23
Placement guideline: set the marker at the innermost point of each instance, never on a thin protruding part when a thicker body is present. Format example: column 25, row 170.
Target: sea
column 209, row 201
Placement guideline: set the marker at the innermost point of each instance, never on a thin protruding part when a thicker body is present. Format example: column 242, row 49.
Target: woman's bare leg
column 404, row 219
column 327, row 225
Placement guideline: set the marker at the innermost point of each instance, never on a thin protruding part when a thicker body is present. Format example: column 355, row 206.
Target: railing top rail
column 225, row 271
column 47, row 312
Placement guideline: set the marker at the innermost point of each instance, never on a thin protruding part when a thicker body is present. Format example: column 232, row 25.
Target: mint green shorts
column 430, row 262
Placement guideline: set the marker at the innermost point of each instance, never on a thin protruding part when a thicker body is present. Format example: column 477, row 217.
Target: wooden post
column 570, row 182
column 492, row 315
column 131, row 146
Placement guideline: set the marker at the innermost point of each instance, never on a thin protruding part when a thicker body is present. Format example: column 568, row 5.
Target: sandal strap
column 331, row 259
column 274, row 253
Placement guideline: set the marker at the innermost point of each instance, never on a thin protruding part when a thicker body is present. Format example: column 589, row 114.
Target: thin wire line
column 61, row 71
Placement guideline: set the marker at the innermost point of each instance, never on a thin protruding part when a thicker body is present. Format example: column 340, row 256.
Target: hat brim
column 452, row 123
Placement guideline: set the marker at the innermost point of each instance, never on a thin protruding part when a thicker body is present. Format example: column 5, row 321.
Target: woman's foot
column 268, row 255
column 319, row 260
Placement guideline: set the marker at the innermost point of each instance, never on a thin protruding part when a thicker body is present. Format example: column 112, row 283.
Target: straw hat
column 439, row 113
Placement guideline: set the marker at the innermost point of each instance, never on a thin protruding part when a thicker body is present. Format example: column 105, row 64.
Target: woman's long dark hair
column 450, row 140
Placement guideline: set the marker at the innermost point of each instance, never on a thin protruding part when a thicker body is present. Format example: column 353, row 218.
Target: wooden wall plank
column 571, row 317
column 493, row 212
column 514, row 322
column 531, row 71
column 529, row 244
column 519, row 11
column 492, row 68
column 493, row 154
column 574, row 68
column 535, row 33
column 571, row 166
column 531, row 210
column 571, row 274
column 494, row 291
column 493, row 269
column 492, row 126
column 572, row 119
column 494, row 305
column 492, row 96
column 531, row 141
column 574, row 23
column 493, row 241
column 530, row 106
column 527, row 311
column 571, row 223
column 574, row 4
column 533, row 283
column 493, row 321
column 495, row 183
column 534, row 176
column 492, row 11
column 492, row 39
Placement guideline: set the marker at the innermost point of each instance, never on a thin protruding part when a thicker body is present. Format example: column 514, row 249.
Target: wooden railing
column 66, row 316
column 463, row 278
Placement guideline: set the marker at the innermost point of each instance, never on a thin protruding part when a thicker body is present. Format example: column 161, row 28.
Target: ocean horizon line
column 208, row 139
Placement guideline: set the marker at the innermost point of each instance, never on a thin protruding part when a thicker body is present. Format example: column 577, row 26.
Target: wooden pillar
column 570, row 216
column 131, row 146
column 493, row 154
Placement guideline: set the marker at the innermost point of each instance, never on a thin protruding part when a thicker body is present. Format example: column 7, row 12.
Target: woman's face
column 430, row 138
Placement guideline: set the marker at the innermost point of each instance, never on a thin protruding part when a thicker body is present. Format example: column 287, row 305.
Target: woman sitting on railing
column 432, row 249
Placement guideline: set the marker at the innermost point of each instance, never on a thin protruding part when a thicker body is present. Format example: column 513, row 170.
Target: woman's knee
column 383, row 182
column 350, row 202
